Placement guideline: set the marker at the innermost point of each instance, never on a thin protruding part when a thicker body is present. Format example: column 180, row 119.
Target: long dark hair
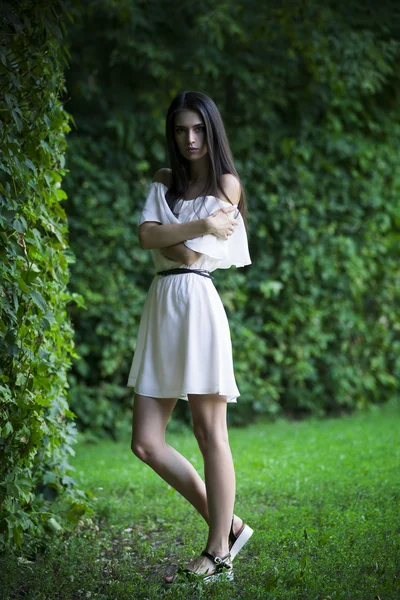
column 219, row 153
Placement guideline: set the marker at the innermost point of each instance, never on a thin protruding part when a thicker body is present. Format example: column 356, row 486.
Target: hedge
column 38, row 495
column 308, row 95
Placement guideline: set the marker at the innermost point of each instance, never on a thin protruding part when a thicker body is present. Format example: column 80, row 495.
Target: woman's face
column 190, row 132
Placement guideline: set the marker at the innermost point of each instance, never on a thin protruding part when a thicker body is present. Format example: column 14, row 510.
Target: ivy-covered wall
column 37, row 430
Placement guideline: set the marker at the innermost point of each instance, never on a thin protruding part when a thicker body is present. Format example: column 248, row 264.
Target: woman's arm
column 156, row 235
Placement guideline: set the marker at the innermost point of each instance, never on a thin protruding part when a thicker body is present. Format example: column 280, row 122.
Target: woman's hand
column 221, row 224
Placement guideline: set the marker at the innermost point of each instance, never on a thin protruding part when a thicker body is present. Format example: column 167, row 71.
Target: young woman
column 194, row 222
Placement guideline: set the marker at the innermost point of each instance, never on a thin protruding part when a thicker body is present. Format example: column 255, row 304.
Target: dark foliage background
column 309, row 95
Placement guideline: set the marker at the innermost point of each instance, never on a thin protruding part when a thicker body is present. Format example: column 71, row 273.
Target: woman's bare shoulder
column 232, row 186
column 163, row 176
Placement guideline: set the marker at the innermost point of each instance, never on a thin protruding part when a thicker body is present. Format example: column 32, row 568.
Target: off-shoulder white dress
column 184, row 343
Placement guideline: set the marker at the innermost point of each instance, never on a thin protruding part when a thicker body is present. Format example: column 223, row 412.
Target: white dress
column 184, row 343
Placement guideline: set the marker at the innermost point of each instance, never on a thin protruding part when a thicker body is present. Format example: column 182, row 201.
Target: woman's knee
column 149, row 421
column 211, row 437
column 146, row 450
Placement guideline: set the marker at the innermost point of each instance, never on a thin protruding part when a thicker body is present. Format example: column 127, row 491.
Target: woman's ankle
column 217, row 549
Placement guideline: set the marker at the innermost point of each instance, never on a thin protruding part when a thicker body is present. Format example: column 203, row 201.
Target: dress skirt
column 184, row 343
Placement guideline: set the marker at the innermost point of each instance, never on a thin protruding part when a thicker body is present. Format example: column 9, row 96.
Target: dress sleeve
column 156, row 207
column 231, row 252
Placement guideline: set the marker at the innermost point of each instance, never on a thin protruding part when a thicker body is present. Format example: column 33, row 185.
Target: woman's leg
column 150, row 418
column 210, row 429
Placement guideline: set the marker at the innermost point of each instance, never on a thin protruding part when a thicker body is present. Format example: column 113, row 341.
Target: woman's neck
column 199, row 171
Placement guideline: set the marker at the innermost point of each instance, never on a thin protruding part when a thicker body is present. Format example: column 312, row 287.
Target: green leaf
column 30, row 164
column 61, row 195
column 17, row 121
column 20, row 225
column 23, row 285
column 38, row 300
column 55, row 525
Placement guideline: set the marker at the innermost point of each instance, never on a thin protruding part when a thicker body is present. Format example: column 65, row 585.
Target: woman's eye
column 197, row 129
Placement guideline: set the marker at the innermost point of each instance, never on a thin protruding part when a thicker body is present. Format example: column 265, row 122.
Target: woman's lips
column 192, row 149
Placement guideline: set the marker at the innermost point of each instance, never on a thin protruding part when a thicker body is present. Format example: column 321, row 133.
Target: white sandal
column 223, row 570
column 236, row 542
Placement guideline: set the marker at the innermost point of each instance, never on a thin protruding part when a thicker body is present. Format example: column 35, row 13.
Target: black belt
column 180, row 270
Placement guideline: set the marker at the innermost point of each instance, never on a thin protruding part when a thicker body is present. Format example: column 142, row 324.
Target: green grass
column 322, row 497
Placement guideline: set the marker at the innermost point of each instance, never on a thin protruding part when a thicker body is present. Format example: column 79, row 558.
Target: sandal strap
column 232, row 536
column 219, row 560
